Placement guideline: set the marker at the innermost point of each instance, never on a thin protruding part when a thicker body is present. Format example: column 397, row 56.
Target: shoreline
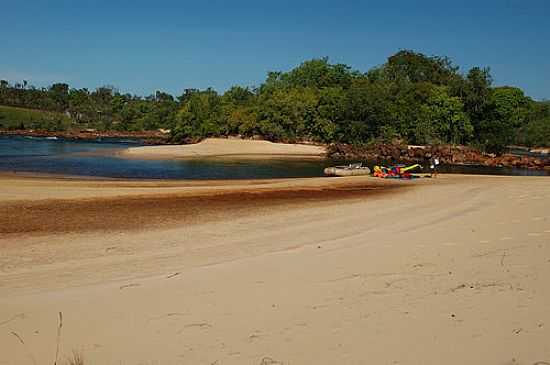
column 147, row 137
column 448, row 154
column 157, row 147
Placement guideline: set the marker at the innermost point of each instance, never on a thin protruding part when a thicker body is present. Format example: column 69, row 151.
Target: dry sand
column 220, row 147
column 307, row 271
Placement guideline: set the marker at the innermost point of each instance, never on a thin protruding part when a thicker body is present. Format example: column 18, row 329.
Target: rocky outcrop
column 451, row 155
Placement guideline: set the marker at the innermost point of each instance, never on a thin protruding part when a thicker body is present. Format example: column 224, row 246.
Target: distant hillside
column 23, row 118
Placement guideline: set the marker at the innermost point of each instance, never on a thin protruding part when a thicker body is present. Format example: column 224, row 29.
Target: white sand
column 219, row 147
column 454, row 271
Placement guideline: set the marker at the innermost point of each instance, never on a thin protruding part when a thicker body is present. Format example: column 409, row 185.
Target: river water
column 99, row 159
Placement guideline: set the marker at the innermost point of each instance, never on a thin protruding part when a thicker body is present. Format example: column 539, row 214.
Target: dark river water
column 98, row 159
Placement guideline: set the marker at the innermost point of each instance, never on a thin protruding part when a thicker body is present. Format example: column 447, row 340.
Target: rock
column 419, row 154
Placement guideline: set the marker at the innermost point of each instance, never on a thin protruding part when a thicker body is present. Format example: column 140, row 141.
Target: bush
column 536, row 133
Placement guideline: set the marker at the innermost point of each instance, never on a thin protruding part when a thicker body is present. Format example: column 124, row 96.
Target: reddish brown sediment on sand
column 301, row 271
column 144, row 212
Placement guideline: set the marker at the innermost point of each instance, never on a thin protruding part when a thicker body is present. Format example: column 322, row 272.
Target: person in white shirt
column 434, row 162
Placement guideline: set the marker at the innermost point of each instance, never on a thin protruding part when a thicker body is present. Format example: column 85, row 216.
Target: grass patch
column 21, row 118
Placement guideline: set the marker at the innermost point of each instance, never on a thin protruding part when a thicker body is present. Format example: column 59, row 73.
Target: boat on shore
column 354, row 169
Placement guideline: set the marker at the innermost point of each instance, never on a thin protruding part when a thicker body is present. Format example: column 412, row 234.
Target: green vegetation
column 21, row 118
column 416, row 98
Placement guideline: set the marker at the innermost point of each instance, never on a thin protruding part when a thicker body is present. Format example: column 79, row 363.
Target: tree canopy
column 413, row 97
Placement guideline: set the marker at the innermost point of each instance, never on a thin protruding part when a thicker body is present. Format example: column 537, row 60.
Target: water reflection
column 41, row 155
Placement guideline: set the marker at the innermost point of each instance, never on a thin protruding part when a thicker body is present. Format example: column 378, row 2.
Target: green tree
column 412, row 97
column 406, row 108
column 60, row 95
column 416, row 67
column 199, row 116
column 366, row 111
column 443, row 120
column 316, row 73
column 509, row 110
column 536, row 133
column 238, row 114
column 319, row 73
column 288, row 113
column 476, row 94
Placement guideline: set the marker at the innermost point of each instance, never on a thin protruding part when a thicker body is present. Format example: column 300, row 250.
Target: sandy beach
column 354, row 270
column 223, row 148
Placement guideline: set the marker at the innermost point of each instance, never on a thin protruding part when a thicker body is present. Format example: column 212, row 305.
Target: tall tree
column 509, row 109
column 417, row 67
column 443, row 120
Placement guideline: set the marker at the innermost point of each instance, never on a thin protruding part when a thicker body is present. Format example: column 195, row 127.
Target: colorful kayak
column 395, row 172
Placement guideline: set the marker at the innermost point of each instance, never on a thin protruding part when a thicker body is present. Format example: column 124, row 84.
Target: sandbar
column 224, row 148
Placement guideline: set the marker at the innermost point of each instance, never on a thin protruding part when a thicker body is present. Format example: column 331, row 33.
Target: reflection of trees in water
column 99, row 160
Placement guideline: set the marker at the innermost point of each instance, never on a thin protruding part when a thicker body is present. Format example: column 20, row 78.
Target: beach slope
column 451, row 270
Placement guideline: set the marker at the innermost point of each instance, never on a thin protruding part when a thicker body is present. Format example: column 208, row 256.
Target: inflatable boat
column 356, row 169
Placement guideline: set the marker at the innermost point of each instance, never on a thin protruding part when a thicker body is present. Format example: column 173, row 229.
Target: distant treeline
column 416, row 98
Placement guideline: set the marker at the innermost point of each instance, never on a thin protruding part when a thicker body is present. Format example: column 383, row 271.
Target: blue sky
column 142, row 46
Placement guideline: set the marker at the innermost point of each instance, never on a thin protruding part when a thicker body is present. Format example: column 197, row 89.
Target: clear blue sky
column 141, row 46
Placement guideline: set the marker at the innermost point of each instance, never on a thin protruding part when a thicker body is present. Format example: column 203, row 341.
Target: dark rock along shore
column 147, row 137
column 448, row 154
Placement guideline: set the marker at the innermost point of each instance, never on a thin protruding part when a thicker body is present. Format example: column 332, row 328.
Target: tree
column 199, row 116
column 536, row 133
column 509, row 109
column 405, row 108
column 412, row 97
column 416, row 67
column 316, row 73
column 443, row 120
column 59, row 93
column 366, row 111
column 476, row 95
column 288, row 113
column 238, row 95
column 241, row 120
column 80, row 107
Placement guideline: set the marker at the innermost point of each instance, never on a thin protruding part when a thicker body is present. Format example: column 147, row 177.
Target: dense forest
column 415, row 98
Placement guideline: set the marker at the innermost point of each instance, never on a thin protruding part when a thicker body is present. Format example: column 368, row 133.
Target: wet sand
column 146, row 211
column 327, row 271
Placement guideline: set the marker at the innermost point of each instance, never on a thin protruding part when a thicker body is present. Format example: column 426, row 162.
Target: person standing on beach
column 434, row 162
